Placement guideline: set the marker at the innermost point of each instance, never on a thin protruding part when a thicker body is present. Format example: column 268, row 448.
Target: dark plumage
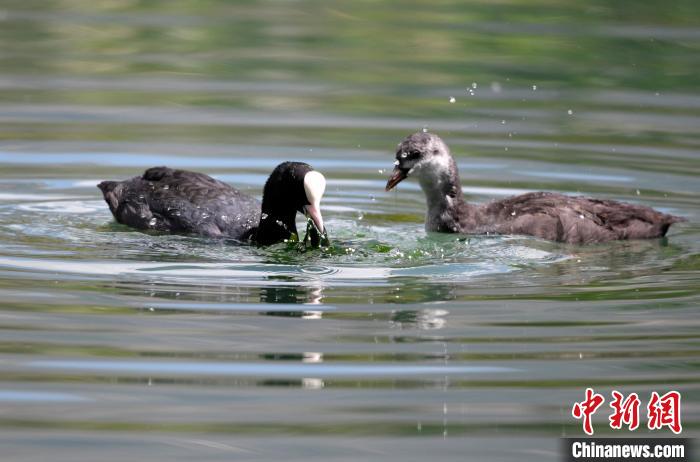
column 184, row 202
column 557, row 217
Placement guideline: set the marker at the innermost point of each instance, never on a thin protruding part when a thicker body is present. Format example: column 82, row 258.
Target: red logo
column 665, row 411
column 587, row 408
column 662, row 411
column 624, row 412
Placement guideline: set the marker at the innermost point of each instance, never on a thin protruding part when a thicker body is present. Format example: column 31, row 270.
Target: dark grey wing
column 196, row 203
column 627, row 221
column 535, row 214
column 180, row 201
column 577, row 220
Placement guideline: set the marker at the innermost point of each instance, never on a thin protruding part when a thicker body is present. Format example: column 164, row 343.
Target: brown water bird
column 184, row 202
column 557, row 217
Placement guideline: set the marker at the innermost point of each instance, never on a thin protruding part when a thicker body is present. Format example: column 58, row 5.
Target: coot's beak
column 397, row 176
column 313, row 211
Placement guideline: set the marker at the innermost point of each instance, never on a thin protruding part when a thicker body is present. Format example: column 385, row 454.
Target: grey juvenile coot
column 575, row 220
column 179, row 201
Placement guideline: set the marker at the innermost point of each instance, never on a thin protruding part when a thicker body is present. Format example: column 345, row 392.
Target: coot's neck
column 443, row 192
column 275, row 225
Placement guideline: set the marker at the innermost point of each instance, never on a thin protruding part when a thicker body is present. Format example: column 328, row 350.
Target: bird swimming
column 552, row 216
column 183, row 202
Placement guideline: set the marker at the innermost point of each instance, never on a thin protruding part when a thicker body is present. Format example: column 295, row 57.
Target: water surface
column 392, row 344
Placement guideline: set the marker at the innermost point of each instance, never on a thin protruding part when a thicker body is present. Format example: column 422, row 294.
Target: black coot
column 184, row 202
column 557, row 217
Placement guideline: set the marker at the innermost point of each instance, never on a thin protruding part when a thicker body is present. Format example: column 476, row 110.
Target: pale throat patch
column 435, row 169
column 432, row 175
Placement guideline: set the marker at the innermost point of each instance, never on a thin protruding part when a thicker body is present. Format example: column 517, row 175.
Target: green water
column 392, row 344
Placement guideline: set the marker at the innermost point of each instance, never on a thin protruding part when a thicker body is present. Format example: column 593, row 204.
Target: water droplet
column 166, row 187
column 425, row 129
column 141, row 196
column 381, row 171
column 503, row 122
column 638, row 192
column 570, row 112
column 534, row 87
column 360, row 215
column 474, row 85
column 496, row 87
column 152, row 222
column 581, row 217
column 372, row 198
column 505, row 149
column 224, row 217
column 512, row 213
column 262, row 217
column 452, row 99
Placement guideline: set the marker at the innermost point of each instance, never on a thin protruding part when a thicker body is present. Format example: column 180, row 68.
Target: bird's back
column 180, row 201
column 575, row 220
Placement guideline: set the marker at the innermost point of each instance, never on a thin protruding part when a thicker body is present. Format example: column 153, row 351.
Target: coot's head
column 292, row 187
column 421, row 154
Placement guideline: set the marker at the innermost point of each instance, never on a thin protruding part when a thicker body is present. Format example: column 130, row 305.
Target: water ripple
column 267, row 370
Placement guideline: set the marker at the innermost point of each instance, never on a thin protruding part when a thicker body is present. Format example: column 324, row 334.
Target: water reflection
column 312, row 383
column 425, row 319
column 308, row 295
column 421, row 344
column 293, row 295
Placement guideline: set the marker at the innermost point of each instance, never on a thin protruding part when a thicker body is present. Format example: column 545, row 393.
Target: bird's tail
column 107, row 186
column 109, row 191
column 668, row 221
column 677, row 219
